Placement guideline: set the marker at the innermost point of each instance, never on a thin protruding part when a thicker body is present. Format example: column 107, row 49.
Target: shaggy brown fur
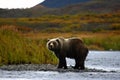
column 71, row 48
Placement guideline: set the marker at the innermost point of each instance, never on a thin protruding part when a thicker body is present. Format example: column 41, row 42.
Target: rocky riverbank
column 27, row 67
column 43, row 67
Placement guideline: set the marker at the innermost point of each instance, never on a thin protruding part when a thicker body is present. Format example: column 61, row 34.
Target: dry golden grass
column 40, row 35
column 104, row 40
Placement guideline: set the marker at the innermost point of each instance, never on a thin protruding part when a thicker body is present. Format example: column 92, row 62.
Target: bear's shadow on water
column 46, row 67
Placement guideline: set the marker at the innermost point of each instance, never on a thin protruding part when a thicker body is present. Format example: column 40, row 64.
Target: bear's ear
column 48, row 39
column 58, row 40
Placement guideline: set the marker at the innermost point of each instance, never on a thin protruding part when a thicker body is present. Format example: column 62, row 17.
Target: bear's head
column 54, row 44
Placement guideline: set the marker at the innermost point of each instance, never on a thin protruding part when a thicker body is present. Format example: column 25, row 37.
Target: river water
column 107, row 62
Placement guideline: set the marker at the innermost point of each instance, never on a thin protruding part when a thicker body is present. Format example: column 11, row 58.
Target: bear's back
column 73, row 41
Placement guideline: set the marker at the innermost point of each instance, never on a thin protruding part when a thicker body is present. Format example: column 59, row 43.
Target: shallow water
column 108, row 61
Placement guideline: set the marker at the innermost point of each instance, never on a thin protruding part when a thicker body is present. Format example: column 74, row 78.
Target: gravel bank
column 43, row 67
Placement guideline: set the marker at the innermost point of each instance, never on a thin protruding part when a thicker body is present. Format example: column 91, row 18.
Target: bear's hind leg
column 82, row 65
column 76, row 64
column 79, row 64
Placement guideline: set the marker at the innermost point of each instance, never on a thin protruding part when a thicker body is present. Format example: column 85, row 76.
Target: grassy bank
column 15, row 49
column 18, row 47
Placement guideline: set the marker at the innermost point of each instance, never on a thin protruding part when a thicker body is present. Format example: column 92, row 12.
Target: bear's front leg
column 62, row 63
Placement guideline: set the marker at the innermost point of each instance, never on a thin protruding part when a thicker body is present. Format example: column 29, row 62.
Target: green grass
column 103, row 43
column 15, row 49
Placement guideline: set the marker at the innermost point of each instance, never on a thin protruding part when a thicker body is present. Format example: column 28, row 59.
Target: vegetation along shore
column 21, row 47
column 23, row 40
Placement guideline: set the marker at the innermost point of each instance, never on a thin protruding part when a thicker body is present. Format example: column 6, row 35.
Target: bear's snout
column 51, row 46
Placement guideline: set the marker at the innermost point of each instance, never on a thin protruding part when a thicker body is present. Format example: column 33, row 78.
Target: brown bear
column 71, row 48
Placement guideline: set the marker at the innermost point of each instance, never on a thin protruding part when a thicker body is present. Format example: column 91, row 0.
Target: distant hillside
column 60, row 3
column 29, row 12
column 92, row 6
column 8, row 13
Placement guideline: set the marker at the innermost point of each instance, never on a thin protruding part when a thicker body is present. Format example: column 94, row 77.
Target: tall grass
column 104, row 40
column 15, row 49
column 103, row 43
column 19, row 47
